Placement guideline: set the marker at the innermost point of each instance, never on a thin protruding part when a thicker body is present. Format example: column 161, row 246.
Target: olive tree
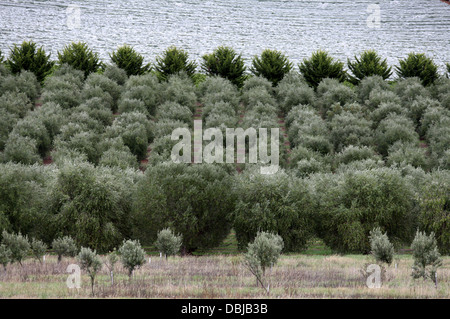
column 132, row 255
column 168, row 243
column 91, row 263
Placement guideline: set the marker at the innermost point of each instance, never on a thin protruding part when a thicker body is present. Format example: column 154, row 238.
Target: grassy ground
column 316, row 273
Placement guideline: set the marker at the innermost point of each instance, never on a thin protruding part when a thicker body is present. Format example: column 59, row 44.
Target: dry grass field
column 224, row 276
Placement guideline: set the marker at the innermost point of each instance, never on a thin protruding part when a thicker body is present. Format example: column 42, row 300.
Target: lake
column 297, row 28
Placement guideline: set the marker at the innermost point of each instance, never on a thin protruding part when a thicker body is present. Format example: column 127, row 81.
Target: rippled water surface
column 295, row 27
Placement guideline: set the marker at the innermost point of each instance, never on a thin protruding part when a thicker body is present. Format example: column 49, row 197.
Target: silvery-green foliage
column 16, row 103
column 149, row 80
column 257, row 81
column 17, row 244
column 66, row 82
column 223, row 108
column 119, row 158
column 64, row 153
column 53, row 117
column 85, row 142
column 354, row 108
column 384, row 110
column 350, row 129
column 215, row 84
column 142, row 93
column 21, row 149
column 305, row 167
column 118, row 75
column 231, row 97
column 291, row 79
column 97, row 110
column 68, row 73
column 64, row 247
column 132, row 105
column 431, row 116
column 296, row 95
column 161, row 149
column 427, row 258
column 34, row 128
column 438, row 136
column 168, row 243
column 38, row 248
column 368, row 84
column 107, row 85
column 82, row 117
column 221, row 121
column 132, row 255
column 91, row 91
column 5, row 256
column 360, row 165
column 407, row 154
column 24, row 82
column 181, row 89
column 378, row 96
column 165, row 127
column 299, row 113
column 257, row 94
column 266, row 249
column 130, row 118
column 90, row 262
column 339, row 93
column 410, row 89
column 175, row 111
column 66, row 98
column 392, row 129
column 380, row 246
column 418, row 107
column 325, row 85
column 7, row 122
column 353, row 153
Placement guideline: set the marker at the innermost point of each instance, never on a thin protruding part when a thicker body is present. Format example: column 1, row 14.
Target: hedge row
column 100, row 206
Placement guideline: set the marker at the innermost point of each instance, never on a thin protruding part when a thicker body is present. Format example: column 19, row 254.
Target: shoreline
column 446, row 1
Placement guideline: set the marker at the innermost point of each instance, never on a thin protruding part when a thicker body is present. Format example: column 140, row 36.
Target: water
column 249, row 26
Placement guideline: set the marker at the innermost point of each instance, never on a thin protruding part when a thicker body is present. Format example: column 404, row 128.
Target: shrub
column 173, row 61
column 25, row 82
column 384, row 110
column 354, row 202
column 368, row 64
column 33, row 128
column 149, row 79
column 91, row 263
column 226, row 63
column 192, row 200
column 80, row 57
column 392, row 129
column 30, row 58
column 68, row 73
column 122, row 159
column 320, row 66
column 306, row 167
column 126, row 58
column 5, row 256
column 350, row 129
column 132, row 105
column 216, row 84
column 418, row 107
column 88, row 205
column 266, row 249
column 176, row 112
column 434, row 207
column 15, row 103
column 118, row 75
column 221, row 108
column 370, row 83
column 132, row 255
column 180, row 89
column 38, row 248
column 438, row 136
column 410, row 89
column 418, row 65
column 84, row 142
column 277, row 203
column 431, row 116
column 17, row 244
column 257, row 95
column 407, row 154
column 7, row 123
column 168, row 243
column 24, row 199
column 257, row 81
column 360, row 165
column 380, row 246
column 90, row 92
column 64, row 247
column 21, row 149
column 272, row 65
column 355, row 153
column 107, row 85
column 66, row 98
column 335, row 93
column 144, row 94
column 427, row 258
column 96, row 110
column 296, row 95
column 378, row 96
